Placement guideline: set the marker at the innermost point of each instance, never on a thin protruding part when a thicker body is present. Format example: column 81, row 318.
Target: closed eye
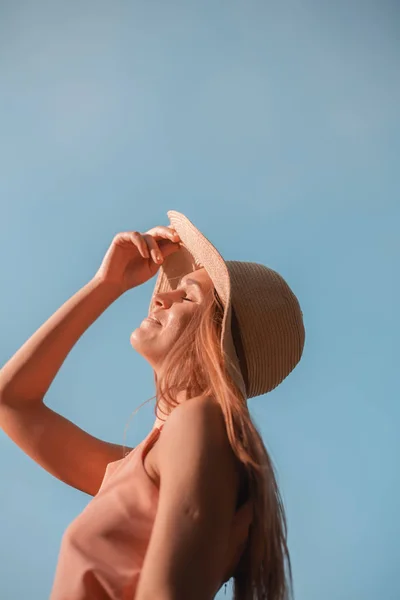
column 186, row 298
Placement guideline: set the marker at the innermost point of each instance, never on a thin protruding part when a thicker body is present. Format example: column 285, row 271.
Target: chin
column 143, row 345
column 135, row 339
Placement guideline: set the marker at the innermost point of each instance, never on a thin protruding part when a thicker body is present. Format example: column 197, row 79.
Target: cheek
column 173, row 331
column 178, row 320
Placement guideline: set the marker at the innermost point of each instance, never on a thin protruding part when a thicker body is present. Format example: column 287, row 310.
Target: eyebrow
column 191, row 282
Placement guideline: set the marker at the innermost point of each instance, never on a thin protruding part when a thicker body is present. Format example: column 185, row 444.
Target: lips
column 154, row 320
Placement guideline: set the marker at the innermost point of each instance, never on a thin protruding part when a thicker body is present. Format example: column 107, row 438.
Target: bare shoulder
column 194, row 427
column 201, row 416
column 195, row 439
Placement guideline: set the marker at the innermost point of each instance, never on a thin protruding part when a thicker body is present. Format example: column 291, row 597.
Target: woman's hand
column 133, row 257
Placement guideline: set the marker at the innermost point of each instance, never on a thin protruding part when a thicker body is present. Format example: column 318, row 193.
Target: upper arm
column 198, row 486
column 58, row 445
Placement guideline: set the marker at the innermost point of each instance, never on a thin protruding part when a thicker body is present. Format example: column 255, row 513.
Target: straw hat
column 268, row 316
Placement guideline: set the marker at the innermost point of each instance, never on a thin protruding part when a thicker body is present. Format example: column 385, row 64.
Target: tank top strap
column 151, row 440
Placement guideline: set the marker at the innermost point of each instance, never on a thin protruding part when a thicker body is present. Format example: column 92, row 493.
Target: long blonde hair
column 195, row 363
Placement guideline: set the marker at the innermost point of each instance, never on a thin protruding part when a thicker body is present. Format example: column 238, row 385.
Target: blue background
column 275, row 128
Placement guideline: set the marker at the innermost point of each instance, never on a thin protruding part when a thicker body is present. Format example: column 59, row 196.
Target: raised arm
column 58, row 445
column 55, row 443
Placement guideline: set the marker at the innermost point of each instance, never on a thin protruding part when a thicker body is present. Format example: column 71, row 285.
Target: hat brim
column 197, row 251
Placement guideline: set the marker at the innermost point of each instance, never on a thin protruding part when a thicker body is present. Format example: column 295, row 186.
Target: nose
column 166, row 299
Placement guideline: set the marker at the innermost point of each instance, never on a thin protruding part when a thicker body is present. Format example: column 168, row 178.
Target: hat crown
column 270, row 324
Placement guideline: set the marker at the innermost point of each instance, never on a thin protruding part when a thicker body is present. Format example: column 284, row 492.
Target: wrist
column 112, row 289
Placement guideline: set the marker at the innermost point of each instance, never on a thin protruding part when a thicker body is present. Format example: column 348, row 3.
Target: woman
column 197, row 501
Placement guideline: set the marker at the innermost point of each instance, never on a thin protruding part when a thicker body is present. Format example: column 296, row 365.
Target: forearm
column 29, row 373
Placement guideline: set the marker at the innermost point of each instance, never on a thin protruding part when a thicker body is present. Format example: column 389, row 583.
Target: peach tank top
column 103, row 549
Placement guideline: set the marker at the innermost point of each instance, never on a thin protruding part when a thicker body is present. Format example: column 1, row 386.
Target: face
column 171, row 313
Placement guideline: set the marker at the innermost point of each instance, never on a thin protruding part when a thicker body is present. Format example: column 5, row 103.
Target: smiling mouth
column 153, row 320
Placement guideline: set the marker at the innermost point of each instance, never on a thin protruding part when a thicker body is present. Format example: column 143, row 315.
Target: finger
column 154, row 249
column 168, row 247
column 140, row 243
column 165, row 232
